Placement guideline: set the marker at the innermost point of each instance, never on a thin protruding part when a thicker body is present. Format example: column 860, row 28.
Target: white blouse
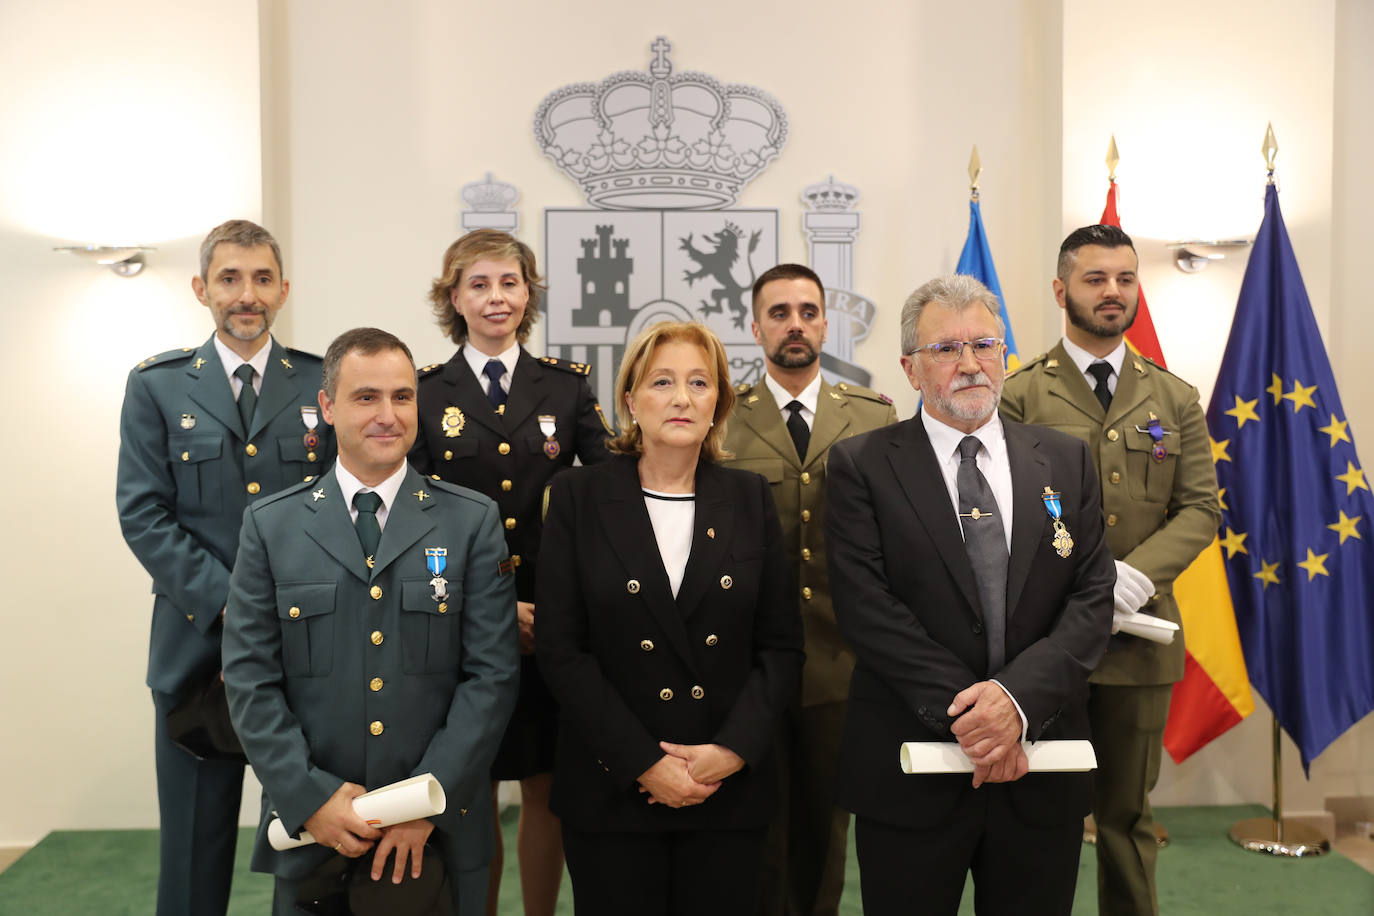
column 673, row 516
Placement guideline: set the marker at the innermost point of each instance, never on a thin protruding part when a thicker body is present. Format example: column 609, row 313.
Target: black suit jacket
column 631, row 665
column 906, row 599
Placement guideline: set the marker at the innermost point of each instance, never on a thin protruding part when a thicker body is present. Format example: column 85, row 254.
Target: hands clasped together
column 337, row 824
column 688, row 774
column 989, row 731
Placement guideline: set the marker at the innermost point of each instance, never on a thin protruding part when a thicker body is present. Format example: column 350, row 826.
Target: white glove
column 1133, row 588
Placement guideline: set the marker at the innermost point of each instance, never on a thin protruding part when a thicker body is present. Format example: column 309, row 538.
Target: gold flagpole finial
column 975, row 169
column 1270, row 150
column 1112, row 159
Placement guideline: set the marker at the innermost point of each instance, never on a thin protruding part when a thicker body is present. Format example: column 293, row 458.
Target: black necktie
column 369, row 530
column 248, row 398
column 495, row 393
column 985, row 541
column 1102, row 371
column 796, row 425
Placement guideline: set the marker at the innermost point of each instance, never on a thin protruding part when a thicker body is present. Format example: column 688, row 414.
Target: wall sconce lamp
column 1194, row 255
column 124, row 260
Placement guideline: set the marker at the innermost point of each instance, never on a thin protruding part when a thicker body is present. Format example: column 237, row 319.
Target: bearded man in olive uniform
column 1148, row 435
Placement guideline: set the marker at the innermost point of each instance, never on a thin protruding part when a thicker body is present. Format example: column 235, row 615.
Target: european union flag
column 1296, row 507
column 976, row 261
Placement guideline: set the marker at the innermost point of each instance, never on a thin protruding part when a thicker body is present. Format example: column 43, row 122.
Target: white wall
column 351, row 131
column 132, row 124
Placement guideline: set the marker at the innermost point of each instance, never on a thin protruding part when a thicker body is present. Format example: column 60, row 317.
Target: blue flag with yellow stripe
column 976, row 261
column 1296, row 506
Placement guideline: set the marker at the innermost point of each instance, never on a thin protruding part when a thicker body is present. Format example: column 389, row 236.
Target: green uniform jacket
column 758, row 437
column 336, row 672
column 1160, row 514
column 187, row 469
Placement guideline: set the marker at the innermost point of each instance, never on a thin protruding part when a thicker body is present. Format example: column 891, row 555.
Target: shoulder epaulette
column 1140, row 360
column 457, row 489
column 304, row 354
column 171, row 356
column 566, row 366
column 267, row 500
column 743, row 388
column 1026, row 365
column 427, row 371
column 859, row 391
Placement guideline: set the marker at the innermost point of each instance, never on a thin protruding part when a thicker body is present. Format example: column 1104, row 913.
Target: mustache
column 248, row 310
column 960, row 382
column 1116, row 302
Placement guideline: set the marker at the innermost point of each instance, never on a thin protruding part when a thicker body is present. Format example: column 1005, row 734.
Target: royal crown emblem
column 659, row 140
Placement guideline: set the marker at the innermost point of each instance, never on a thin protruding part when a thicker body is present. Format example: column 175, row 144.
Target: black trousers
column 673, row 873
column 1017, row 868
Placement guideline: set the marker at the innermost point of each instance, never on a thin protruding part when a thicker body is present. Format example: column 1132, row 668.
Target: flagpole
column 1277, row 835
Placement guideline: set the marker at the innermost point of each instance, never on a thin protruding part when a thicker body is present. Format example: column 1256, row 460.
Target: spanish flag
column 1215, row 691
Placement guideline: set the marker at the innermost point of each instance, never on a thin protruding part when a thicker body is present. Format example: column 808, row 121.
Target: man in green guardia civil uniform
column 783, row 427
column 203, row 432
column 1148, row 435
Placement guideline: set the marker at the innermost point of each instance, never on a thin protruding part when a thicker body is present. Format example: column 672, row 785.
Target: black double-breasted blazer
column 632, row 665
column 907, row 601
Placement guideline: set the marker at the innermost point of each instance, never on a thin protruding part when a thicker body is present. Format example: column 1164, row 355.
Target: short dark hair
column 242, row 233
column 462, row 254
column 787, row 272
column 366, row 341
column 1103, row 236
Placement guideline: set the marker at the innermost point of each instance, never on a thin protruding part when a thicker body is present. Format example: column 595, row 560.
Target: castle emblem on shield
column 661, row 158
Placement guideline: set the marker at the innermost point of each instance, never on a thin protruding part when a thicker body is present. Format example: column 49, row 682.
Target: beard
column 238, row 332
column 785, row 359
column 1085, row 317
column 971, row 408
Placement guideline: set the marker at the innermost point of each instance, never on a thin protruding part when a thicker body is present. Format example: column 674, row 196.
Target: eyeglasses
column 986, row 349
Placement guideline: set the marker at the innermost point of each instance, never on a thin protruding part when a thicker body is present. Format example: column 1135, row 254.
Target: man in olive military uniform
column 1148, row 436
column 782, row 427
column 371, row 637
column 203, row 432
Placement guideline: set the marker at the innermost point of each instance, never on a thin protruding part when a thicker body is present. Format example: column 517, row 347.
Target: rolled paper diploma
column 407, row 800
column 1044, row 757
column 1146, row 626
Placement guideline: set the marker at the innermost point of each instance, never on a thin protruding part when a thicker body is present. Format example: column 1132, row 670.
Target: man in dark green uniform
column 1148, row 436
column 204, row 431
column 783, row 427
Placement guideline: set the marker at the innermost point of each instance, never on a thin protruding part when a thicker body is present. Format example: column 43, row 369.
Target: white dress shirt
column 478, row 361
column 1083, row 359
column 231, row 361
column 673, row 516
column 387, row 489
column 808, row 398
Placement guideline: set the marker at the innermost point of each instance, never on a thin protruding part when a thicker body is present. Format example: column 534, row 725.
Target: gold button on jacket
column 376, row 637
column 632, row 586
column 294, row 612
column 252, row 450
column 504, row 448
column 712, row 639
column 665, row 694
column 375, row 684
column 255, row 488
column 726, row 581
column 698, row 692
column 647, row 645
column 375, row 592
column 376, row 727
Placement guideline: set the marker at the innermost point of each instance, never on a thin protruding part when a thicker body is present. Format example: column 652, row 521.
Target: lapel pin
column 421, row 495
column 188, row 421
column 318, row 494
column 198, row 363
column 1063, row 542
column 286, row 363
column 711, row 533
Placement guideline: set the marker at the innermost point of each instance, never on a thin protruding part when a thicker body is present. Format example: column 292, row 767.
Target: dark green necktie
column 248, row 398
column 369, row 531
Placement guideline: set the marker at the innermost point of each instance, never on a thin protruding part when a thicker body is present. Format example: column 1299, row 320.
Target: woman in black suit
column 498, row 420
column 668, row 629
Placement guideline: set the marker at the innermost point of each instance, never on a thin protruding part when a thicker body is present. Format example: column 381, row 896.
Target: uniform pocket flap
column 193, row 449
column 305, row 599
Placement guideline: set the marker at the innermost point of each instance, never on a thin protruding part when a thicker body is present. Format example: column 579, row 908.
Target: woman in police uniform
column 668, row 628
column 498, row 420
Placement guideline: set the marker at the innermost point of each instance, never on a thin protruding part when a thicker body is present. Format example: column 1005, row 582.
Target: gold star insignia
column 1221, row 499
column 1353, row 478
column 1301, row 396
column 1244, row 410
column 1234, row 542
column 1219, row 449
column 1276, row 389
column 1346, row 527
column 1336, row 430
column 421, row 495
column 1268, row 574
column 1315, row 564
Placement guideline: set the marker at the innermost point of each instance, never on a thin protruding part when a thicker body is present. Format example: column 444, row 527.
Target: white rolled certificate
column 1044, row 757
column 1146, row 626
column 407, row 800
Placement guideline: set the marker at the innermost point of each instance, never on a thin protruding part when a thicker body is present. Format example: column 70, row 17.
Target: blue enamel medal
column 1063, row 541
column 436, row 558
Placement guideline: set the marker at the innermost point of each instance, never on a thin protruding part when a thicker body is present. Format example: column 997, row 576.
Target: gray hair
column 239, row 232
column 956, row 292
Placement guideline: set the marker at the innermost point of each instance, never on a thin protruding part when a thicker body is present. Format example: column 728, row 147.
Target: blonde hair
column 462, row 254
column 635, row 363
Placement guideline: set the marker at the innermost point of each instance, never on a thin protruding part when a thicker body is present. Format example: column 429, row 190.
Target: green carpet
column 1201, row 873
